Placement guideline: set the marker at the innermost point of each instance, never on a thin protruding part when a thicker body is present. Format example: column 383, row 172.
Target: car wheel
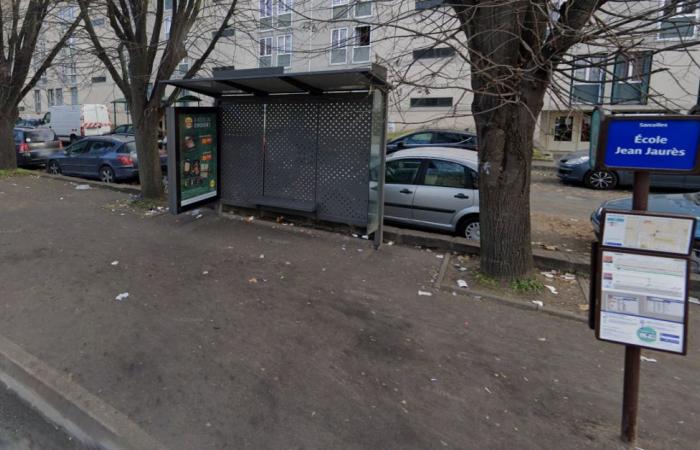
column 470, row 228
column 106, row 174
column 53, row 167
column 600, row 180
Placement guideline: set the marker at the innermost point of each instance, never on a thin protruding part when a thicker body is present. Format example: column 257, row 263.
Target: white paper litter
column 82, row 187
column 538, row 303
column 206, row 272
column 552, row 289
column 425, row 294
column 115, row 263
column 462, row 269
column 198, row 216
column 462, row 284
column 645, row 359
column 121, row 297
column 694, row 300
column 549, row 275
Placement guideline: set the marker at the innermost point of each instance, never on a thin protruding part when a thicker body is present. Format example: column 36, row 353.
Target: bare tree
column 517, row 54
column 145, row 45
column 22, row 23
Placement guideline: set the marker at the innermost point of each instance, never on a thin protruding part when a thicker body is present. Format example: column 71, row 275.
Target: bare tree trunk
column 8, row 155
column 505, row 155
column 150, row 173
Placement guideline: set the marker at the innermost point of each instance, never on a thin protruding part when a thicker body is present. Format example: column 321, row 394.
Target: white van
column 73, row 122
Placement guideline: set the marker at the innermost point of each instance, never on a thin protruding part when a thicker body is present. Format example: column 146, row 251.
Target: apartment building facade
column 430, row 76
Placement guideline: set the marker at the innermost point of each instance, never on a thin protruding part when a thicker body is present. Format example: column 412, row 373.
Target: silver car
column 434, row 187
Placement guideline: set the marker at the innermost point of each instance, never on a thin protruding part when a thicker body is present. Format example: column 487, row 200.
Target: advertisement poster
column 643, row 300
column 197, row 148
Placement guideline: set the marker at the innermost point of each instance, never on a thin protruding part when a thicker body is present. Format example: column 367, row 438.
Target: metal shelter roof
column 274, row 81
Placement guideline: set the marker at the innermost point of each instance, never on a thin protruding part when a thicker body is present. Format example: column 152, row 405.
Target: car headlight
column 579, row 160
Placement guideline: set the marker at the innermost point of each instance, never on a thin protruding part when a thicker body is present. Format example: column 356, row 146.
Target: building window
column 37, row 100
column 339, row 42
column 284, row 13
column 100, row 79
column 563, row 128
column 428, row 4
column 265, row 10
column 265, row 52
column 284, row 50
column 340, row 9
column 586, row 128
column 431, row 102
column 363, row 9
column 362, row 39
column 435, row 52
column 588, row 81
column 59, row 96
column 74, row 96
column 167, row 22
column 679, row 19
column 51, row 98
column 631, row 79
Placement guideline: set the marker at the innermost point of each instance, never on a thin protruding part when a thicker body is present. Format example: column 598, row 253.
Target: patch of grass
column 6, row 173
column 527, row 286
column 485, row 280
column 147, row 205
column 539, row 155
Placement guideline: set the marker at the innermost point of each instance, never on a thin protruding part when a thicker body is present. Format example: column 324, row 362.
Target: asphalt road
column 22, row 428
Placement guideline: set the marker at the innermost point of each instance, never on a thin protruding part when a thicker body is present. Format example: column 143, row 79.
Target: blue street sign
column 660, row 143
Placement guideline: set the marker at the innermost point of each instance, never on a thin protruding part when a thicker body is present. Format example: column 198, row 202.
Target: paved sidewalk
column 237, row 335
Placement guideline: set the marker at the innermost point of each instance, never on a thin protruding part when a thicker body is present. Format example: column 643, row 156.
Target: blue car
column 109, row 158
column 683, row 204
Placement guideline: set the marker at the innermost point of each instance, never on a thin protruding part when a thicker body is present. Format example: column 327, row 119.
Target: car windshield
column 39, row 135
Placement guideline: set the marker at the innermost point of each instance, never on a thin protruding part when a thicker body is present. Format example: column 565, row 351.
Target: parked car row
column 109, row 158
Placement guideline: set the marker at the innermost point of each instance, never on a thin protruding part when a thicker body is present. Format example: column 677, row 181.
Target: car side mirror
column 400, row 144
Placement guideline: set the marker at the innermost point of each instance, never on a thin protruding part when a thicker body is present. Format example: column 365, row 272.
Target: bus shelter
column 310, row 144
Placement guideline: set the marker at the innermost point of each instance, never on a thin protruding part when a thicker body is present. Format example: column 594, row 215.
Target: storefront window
column 563, row 128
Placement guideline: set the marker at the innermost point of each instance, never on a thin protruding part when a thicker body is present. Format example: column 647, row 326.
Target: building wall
column 429, row 89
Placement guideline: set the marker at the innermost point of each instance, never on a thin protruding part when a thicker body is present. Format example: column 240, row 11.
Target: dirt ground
column 247, row 335
column 566, row 291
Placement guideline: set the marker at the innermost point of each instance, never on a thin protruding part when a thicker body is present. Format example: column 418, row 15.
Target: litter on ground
column 115, row 263
column 694, row 300
column 425, row 294
column 121, row 297
column 539, row 303
column 645, row 359
column 462, row 284
column 82, row 187
column 552, row 289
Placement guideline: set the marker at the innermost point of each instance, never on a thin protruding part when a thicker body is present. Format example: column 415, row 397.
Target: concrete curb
column 81, row 414
column 96, row 184
column 450, row 243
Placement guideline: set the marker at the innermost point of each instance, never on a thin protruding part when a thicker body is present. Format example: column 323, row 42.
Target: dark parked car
column 110, row 158
column 28, row 123
column 683, row 204
column 127, row 129
column 575, row 168
column 434, row 138
column 34, row 146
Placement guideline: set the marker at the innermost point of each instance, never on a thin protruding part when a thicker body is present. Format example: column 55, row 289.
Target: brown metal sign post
column 630, row 392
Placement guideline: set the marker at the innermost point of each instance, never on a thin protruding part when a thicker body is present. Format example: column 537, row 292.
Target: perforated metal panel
column 290, row 151
column 344, row 140
column 317, row 150
column 241, row 155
